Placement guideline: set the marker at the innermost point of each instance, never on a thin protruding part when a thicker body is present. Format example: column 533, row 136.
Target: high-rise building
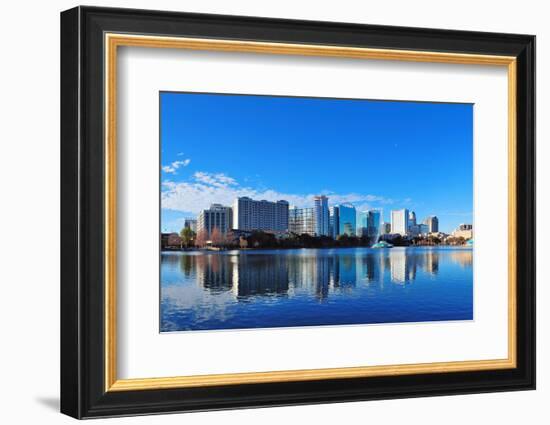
column 433, row 224
column 217, row 216
column 334, row 221
column 373, row 222
column 362, row 223
column 249, row 214
column 400, row 221
column 301, row 220
column 190, row 223
column 322, row 217
column 412, row 218
column 368, row 223
column 348, row 219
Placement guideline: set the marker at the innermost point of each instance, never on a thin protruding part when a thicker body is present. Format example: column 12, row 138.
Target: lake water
column 307, row 287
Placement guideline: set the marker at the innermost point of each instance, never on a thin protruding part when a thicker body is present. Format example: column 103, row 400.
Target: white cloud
column 217, row 180
column 208, row 188
column 173, row 167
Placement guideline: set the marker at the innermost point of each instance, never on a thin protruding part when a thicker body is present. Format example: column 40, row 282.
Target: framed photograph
column 261, row 212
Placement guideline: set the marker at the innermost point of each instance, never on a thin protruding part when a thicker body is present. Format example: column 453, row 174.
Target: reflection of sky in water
column 268, row 288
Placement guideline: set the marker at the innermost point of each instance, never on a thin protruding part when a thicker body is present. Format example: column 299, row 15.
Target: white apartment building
column 249, row 214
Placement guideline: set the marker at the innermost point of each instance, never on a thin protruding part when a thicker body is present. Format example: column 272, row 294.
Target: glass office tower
column 373, row 222
column 348, row 220
column 321, row 215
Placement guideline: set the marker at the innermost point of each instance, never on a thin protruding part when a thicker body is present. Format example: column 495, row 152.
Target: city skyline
column 374, row 154
column 322, row 219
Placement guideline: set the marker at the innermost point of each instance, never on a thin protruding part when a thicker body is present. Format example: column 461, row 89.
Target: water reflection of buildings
column 463, row 257
column 402, row 270
column 213, row 272
column 404, row 264
column 259, row 275
column 313, row 273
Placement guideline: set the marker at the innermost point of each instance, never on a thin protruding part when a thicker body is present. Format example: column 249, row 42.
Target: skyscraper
column 433, row 224
column 320, row 207
column 368, row 223
column 334, row 221
column 217, row 216
column 301, row 220
column 373, row 222
column 348, row 219
column 362, row 223
column 412, row 218
column 249, row 214
column 400, row 221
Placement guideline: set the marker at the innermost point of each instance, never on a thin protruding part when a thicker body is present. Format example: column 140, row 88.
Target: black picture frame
column 83, row 392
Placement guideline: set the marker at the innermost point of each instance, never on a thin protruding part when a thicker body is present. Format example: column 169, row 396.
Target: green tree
column 187, row 236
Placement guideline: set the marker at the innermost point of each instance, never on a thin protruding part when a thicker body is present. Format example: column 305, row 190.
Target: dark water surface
column 306, row 287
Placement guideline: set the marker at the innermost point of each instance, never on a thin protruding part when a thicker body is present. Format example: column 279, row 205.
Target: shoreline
column 465, row 247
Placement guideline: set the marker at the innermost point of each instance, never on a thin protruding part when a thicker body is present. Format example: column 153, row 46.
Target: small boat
column 382, row 244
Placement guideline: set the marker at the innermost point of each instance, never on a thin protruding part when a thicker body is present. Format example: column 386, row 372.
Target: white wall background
column 29, row 176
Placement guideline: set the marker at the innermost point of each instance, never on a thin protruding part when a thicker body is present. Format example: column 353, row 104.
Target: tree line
column 261, row 239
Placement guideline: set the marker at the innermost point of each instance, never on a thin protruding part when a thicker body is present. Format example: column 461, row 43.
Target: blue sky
column 375, row 154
